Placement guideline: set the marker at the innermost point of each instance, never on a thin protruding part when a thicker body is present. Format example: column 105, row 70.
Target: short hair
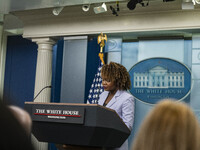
column 13, row 134
column 117, row 73
column 170, row 125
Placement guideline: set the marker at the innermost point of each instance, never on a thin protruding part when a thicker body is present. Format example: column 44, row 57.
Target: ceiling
column 7, row 6
column 18, row 5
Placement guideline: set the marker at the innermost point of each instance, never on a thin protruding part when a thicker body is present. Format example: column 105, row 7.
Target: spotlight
column 100, row 9
column 196, row 1
column 132, row 4
column 56, row 11
column 187, row 4
column 86, row 7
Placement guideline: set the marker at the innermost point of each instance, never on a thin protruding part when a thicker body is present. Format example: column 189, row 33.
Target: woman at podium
column 116, row 82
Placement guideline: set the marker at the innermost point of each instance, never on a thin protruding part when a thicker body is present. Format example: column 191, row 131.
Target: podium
column 77, row 124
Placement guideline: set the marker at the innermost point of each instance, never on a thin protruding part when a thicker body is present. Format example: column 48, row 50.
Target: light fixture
column 100, row 9
column 187, row 4
column 117, row 5
column 86, row 7
column 132, row 4
column 56, row 11
column 114, row 12
column 196, row 2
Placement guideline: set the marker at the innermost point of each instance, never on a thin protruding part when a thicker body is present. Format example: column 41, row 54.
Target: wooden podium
column 77, row 124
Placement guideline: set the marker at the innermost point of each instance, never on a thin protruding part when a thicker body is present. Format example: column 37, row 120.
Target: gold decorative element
column 101, row 57
column 100, row 40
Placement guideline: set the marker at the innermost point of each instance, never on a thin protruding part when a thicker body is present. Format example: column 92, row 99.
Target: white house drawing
column 158, row 77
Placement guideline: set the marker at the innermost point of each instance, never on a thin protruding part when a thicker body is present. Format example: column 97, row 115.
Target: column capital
column 44, row 43
column 45, row 40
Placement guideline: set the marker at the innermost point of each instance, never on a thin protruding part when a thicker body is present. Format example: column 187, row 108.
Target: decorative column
column 1, row 28
column 42, row 92
column 1, row 56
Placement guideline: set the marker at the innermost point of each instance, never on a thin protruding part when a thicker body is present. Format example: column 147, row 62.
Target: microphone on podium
column 48, row 86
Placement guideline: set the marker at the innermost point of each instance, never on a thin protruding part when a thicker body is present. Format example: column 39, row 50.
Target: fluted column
column 43, row 78
column 2, row 57
column 43, row 69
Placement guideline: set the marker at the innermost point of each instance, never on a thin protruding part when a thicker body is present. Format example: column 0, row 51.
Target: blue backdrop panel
column 20, row 70
column 57, row 71
column 92, row 63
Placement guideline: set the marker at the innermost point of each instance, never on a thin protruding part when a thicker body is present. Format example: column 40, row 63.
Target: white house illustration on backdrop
column 158, row 77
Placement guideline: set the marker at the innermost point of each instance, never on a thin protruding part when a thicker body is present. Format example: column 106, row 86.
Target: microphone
column 49, row 86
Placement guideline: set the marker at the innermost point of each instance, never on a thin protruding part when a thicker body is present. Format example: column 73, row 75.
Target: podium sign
column 77, row 124
column 57, row 113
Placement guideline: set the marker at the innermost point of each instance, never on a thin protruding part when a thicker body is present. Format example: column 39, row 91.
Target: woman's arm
column 128, row 110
